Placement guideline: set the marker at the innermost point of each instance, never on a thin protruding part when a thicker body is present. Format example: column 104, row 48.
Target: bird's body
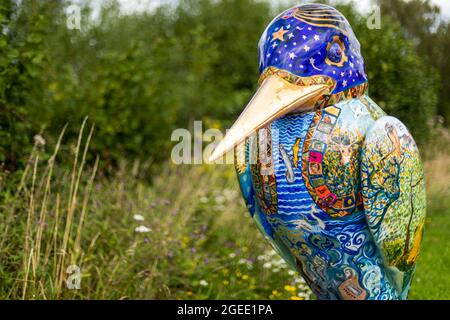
column 334, row 184
column 335, row 253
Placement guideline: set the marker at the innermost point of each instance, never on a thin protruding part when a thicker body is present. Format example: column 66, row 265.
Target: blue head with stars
column 313, row 40
column 309, row 58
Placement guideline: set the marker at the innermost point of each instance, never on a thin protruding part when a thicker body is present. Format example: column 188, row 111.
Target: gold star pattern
column 279, row 34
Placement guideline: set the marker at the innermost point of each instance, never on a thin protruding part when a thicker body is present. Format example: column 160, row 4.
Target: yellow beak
column 275, row 98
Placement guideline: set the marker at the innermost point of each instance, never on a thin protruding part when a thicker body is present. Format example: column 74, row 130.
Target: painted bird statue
column 333, row 183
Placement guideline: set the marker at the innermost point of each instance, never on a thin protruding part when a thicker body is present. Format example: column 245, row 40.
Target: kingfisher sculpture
column 333, row 183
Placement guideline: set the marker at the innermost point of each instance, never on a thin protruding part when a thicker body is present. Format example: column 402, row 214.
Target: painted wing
column 393, row 192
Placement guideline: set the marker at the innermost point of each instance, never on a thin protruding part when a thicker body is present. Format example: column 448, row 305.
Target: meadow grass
column 431, row 280
column 184, row 235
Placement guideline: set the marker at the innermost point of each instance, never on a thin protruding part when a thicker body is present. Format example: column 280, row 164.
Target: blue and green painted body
column 338, row 190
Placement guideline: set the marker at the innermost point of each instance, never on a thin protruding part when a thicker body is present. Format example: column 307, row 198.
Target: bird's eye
column 336, row 53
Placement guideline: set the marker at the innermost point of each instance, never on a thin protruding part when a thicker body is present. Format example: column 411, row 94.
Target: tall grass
column 39, row 231
column 184, row 235
column 437, row 173
column 431, row 280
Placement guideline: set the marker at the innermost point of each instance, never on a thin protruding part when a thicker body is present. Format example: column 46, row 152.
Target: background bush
column 139, row 76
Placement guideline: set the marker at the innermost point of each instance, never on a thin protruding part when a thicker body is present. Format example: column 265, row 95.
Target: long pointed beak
column 275, row 98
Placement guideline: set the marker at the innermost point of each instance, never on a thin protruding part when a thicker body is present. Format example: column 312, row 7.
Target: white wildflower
column 232, row 255
column 220, row 199
column 280, row 263
column 39, row 140
column 142, row 229
column 219, row 208
column 299, row 280
column 229, row 194
column 138, row 217
column 203, row 283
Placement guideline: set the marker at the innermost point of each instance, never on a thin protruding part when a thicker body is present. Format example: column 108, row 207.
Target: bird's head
column 309, row 58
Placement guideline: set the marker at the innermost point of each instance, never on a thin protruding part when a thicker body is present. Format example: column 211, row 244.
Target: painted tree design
column 380, row 172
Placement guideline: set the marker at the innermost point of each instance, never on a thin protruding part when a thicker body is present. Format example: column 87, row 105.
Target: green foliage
column 22, row 61
column 131, row 240
column 430, row 35
column 401, row 83
column 141, row 75
column 199, row 241
column 430, row 280
column 138, row 77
